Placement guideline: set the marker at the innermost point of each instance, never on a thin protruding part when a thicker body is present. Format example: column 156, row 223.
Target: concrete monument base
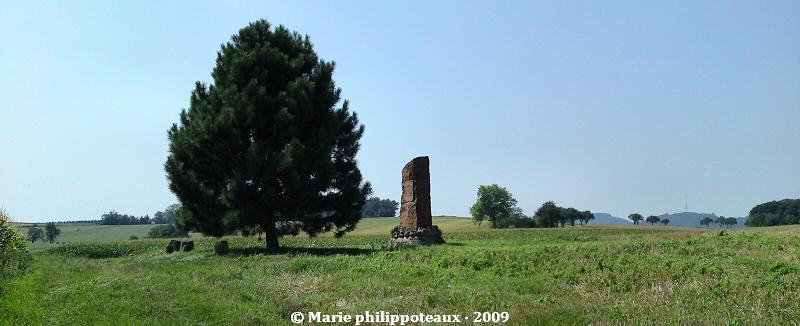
column 403, row 237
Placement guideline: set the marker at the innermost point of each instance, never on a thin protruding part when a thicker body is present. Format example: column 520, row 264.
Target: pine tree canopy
column 270, row 144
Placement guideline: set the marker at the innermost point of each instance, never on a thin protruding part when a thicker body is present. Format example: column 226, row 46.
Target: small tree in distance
column 570, row 215
column 728, row 221
column 52, row 232
column 586, row 216
column 636, row 217
column 494, row 203
column 720, row 221
column 706, row 221
column 548, row 215
column 665, row 221
column 652, row 219
column 35, row 233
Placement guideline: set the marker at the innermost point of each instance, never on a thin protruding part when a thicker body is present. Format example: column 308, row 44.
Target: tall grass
column 589, row 275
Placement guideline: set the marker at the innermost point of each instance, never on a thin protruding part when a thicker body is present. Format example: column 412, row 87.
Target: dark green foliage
column 376, row 207
column 652, row 219
column 52, row 232
column 35, row 233
column 133, row 237
column 726, row 221
column 166, row 231
column 494, row 203
column 706, row 221
column 782, row 212
column 114, row 218
column 10, row 239
column 268, row 142
column 14, row 253
column 635, row 217
column 586, row 216
column 549, row 215
column 168, row 216
column 720, row 220
column 517, row 219
column 570, row 215
column 665, row 221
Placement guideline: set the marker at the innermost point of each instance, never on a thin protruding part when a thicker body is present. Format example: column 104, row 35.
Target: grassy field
column 581, row 275
column 88, row 232
column 94, row 232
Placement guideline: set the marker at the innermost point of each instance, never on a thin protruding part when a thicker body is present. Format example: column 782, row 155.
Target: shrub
column 515, row 221
column 15, row 256
column 167, row 231
column 133, row 237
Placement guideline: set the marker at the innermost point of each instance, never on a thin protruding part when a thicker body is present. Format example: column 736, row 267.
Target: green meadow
column 87, row 232
column 573, row 275
column 74, row 232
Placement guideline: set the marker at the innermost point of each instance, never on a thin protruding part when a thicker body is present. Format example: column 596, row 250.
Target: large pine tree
column 268, row 145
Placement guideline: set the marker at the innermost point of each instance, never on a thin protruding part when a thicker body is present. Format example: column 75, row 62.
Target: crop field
column 94, row 232
column 580, row 275
column 88, row 232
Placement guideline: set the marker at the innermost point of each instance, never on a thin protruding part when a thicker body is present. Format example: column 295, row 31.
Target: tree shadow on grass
column 298, row 251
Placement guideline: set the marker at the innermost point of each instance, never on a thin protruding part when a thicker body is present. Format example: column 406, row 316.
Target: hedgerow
column 15, row 255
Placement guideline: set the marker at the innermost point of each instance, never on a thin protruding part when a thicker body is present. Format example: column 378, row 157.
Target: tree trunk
column 271, row 233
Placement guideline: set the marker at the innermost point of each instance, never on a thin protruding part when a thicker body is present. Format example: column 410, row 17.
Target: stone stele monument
column 415, row 208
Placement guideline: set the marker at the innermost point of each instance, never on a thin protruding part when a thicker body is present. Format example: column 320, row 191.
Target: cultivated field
column 580, row 275
column 94, row 232
column 87, row 232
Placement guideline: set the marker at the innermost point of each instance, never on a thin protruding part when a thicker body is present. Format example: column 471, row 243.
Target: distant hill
column 605, row 218
column 692, row 219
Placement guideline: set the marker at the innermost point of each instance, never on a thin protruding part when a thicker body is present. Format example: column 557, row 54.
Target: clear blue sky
column 615, row 107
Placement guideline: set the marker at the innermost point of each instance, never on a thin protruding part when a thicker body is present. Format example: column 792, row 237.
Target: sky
column 610, row 106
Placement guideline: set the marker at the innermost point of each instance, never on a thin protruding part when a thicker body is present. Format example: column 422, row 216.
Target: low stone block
column 188, row 246
column 171, row 246
column 221, row 248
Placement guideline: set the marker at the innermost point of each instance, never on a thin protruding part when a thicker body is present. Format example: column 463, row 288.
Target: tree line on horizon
column 652, row 219
column 498, row 206
column 166, row 217
column 722, row 221
column 377, row 207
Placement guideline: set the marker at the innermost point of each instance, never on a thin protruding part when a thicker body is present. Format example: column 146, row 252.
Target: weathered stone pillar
column 416, row 227
column 415, row 206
